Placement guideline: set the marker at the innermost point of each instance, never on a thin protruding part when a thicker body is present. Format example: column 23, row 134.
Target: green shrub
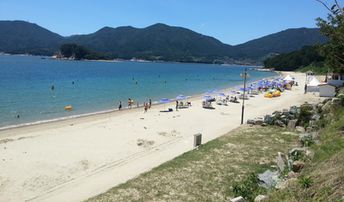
column 305, row 114
column 305, row 182
column 248, row 188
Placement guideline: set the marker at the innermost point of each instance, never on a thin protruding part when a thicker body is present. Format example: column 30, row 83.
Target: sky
column 231, row 21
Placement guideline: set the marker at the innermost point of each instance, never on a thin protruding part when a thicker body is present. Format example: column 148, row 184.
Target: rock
column 277, row 113
column 297, row 166
column 336, row 102
column 285, row 112
column 258, row 121
column 285, row 183
column 260, row 198
column 315, row 117
column 327, row 107
column 326, row 100
column 309, row 154
column 268, row 119
column 250, row 121
column 292, row 124
column 300, row 129
column 310, row 129
column 294, row 110
column 306, row 139
column 292, row 174
column 320, row 105
column 296, row 153
column 279, row 123
column 268, row 179
column 281, row 161
column 238, row 199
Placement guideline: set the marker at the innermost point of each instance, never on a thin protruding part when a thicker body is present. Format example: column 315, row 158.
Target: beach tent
column 313, row 85
column 327, row 90
column 288, row 78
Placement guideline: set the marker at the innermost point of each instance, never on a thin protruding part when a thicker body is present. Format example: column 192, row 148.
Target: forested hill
column 282, row 42
column 156, row 42
column 19, row 37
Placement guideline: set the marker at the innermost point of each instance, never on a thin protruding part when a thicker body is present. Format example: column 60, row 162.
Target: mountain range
column 156, row 42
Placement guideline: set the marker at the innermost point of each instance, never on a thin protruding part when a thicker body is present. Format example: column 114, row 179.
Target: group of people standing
column 146, row 105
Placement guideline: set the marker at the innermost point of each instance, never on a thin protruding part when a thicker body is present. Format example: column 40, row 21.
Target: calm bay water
column 25, row 85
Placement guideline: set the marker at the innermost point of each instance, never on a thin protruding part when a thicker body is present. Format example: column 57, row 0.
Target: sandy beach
column 72, row 160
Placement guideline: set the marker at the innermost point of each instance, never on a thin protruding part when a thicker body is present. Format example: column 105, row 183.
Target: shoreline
column 115, row 110
column 115, row 60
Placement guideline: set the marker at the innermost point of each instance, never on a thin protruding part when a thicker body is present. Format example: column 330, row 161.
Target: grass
column 209, row 173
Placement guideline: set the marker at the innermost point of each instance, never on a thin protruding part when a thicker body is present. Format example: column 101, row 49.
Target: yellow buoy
column 68, row 108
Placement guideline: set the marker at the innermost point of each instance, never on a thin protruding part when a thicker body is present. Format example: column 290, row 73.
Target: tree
column 333, row 28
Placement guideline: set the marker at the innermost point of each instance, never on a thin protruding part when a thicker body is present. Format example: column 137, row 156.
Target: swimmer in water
column 52, row 87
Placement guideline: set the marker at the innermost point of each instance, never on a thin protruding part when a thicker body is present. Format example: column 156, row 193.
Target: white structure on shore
column 327, row 90
column 336, row 80
column 313, row 85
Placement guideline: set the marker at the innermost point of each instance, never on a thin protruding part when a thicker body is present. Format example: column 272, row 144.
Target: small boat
column 68, row 108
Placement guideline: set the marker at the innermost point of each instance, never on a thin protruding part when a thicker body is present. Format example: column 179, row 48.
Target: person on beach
column 305, row 88
column 120, row 105
column 177, row 104
column 129, row 103
column 150, row 103
column 145, row 106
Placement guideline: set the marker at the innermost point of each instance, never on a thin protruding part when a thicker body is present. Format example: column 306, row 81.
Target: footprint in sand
column 3, row 183
column 173, row 133
column 144, row 143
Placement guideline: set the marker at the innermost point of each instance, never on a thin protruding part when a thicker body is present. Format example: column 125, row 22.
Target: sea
column 36, row 89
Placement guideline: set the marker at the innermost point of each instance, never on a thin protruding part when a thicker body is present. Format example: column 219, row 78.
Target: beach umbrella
column 288, row 78
column 221, row 94
column 165, row 100
column 208, row 98
column 181, row 97
column 245, row 89
column 209, row 92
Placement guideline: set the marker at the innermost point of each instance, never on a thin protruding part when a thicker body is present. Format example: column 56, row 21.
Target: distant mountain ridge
column 155, row 42
column 24, row 37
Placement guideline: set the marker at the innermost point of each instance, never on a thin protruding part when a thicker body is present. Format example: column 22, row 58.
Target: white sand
column 75, row 159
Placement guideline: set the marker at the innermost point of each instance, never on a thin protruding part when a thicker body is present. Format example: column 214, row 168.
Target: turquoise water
column 25, row 85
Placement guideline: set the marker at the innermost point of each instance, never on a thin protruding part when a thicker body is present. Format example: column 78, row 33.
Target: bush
column 305, row 114
column 305, row 182
column 248, row 188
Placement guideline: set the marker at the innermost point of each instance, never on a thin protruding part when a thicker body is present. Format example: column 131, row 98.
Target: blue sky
column 231, row 21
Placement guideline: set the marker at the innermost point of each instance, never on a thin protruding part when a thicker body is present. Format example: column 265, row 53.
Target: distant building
column 336, row 80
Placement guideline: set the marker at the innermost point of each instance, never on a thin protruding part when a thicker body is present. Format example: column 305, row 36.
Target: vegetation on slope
column 210, row 172
column 327, row 57
column 324, row 175
column 19, row 37
column 307, row 56
column 79, row 52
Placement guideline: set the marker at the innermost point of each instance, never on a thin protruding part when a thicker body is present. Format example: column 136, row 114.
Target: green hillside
column 156, row 42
